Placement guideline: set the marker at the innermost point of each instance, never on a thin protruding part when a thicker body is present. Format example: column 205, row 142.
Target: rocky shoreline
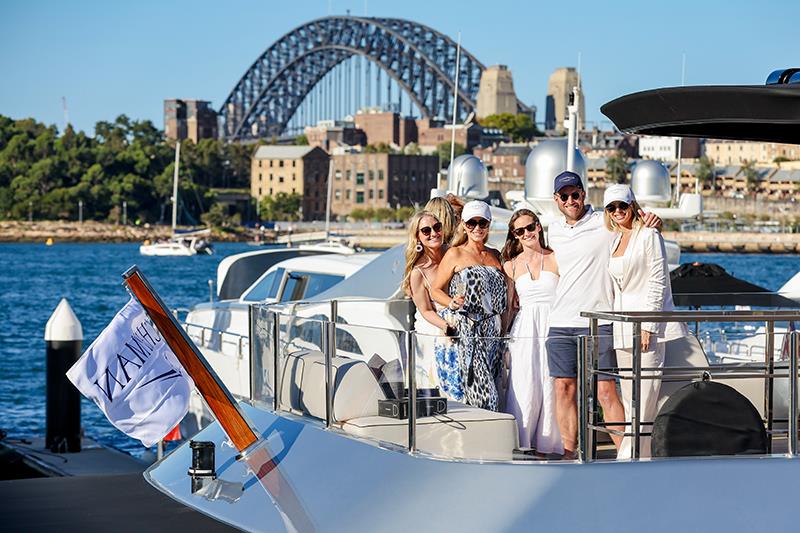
column 91, row 231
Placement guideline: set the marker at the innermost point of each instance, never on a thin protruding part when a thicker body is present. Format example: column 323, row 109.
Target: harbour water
column 34, row 277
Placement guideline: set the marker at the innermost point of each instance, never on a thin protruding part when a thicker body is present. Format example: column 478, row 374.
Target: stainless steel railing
column 204, row 336
column 588, row 371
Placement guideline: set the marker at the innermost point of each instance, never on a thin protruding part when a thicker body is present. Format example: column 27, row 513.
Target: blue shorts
column 562, row 351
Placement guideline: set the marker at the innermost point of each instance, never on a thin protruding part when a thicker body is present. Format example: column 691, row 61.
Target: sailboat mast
column 328, row 200
column 455, row 111
column 175, row 186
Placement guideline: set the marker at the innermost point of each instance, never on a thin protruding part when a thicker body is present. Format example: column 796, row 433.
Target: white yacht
column 309, row 449
column 221, row 329
column 181, row 244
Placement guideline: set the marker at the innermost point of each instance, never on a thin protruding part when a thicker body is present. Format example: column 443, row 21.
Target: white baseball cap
column 476, row 208
column 618, row 193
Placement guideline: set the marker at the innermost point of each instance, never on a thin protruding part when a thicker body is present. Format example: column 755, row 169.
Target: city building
column 331, row 134
column 666, row 148
column 559, row 88
column 376, row 180
column 432, row 133
column 386, row 127
column 496, row 92
column 723, row 152
column 299, row 170
column 603, row 144
column 189, row 119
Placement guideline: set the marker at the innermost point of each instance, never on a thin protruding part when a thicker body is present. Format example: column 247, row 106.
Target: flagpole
column 214, row 392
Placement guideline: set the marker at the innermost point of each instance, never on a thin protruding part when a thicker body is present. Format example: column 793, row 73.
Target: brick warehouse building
column 369, row 180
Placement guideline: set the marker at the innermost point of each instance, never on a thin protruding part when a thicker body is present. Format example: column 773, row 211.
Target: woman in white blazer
column 638, row 268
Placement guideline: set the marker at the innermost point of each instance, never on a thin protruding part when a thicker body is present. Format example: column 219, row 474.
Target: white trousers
column 648, row 401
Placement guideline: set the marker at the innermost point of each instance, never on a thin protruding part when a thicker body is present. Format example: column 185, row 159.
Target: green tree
column 217, row 217
column 519, row 127
column 358, row 214
column 411, row 149
column 301, row 140
column 705, row 171
column 384, row 214
column 380, row 148
column 751, row 176
column 403, row 214
column 443, row 151
column 617, row 168
column 282, row 206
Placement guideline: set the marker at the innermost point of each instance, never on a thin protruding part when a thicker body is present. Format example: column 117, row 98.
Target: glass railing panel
column 262, row 359
column 301, row 364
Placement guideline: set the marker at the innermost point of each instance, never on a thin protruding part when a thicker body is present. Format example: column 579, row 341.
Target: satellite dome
column 650, row 181
column 546, row 161
column 467, row 177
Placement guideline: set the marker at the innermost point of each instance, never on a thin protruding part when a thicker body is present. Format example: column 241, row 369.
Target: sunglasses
column 436, row 228
column 480, row 222
column 617, row 205
column 575, row 195
column 519, row 232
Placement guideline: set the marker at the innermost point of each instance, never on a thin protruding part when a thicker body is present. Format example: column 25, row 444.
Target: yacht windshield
column 303, row 285
column 266, row 288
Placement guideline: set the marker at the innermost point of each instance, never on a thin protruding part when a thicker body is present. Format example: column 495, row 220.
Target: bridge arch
column 420, row 60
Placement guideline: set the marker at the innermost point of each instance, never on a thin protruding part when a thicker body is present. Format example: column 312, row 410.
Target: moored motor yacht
column 322, row 457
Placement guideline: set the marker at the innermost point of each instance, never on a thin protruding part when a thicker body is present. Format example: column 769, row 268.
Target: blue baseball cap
column 567, row 179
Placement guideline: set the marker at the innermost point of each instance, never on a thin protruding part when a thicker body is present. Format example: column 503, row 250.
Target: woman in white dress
column 532, row 266
column 640, row 274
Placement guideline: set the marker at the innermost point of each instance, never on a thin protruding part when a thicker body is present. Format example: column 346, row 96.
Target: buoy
column 146, row 242
column 63, row 336
column 49, row 241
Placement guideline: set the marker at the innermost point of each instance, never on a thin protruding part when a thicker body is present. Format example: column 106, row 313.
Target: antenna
column 455, row 109
column 678, row 169
column 66, row 112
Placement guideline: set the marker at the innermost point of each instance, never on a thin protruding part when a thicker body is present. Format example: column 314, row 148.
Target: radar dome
column 650, row 181
column 546, row 161
column 467, row 177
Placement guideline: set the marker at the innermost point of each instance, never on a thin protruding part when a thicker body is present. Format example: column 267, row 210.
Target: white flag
column 133, row 376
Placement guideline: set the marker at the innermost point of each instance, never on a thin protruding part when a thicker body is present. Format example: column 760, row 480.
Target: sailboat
column 180, row 244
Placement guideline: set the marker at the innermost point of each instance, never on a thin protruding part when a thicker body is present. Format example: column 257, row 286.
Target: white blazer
column 645, row 286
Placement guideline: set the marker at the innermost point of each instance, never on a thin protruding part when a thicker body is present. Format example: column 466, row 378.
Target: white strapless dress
column 530, row 392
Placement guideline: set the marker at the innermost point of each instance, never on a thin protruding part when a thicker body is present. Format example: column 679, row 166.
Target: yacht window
column 304, row 285
column 267, row 287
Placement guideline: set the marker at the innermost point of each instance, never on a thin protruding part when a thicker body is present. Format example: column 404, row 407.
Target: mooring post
column 63, row 336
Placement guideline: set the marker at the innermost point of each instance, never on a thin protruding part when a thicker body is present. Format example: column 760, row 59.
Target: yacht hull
column 320, row 480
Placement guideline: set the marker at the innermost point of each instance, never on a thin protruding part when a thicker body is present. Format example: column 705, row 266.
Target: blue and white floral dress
column 444, row 372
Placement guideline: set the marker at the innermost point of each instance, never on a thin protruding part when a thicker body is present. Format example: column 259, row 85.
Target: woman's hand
column 456, row 303
column 646, row 337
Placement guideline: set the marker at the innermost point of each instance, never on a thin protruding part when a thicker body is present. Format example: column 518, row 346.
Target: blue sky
column 109, row 57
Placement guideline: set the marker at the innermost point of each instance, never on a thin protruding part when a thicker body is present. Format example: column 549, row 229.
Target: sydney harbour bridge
column 332, row 67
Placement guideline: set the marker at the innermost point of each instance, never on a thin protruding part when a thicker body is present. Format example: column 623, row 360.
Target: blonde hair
column 412, row 255
column 512, row 248
column 611, row 224
column 444, row 213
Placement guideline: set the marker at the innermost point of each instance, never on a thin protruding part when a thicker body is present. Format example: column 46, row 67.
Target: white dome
column 650, row 181
column 547, row 160
column 467, row 177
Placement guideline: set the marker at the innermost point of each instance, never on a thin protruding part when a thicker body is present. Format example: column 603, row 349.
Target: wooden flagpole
column 214, row 392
